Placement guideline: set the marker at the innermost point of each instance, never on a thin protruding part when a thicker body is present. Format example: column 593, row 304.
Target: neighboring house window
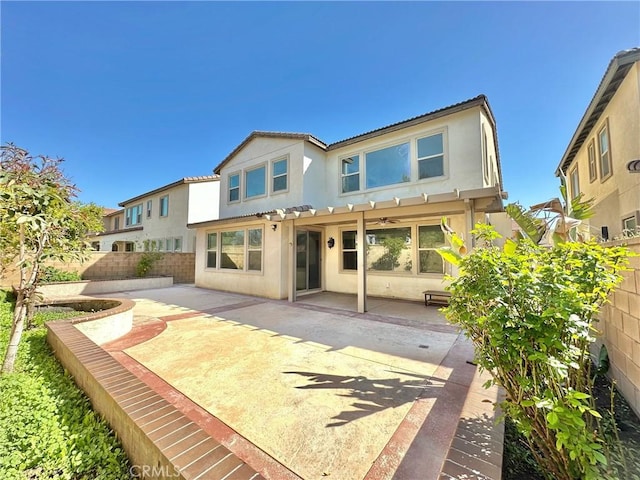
column 133, row 215
column 232, row 250
column 212, row 250
column 605, row 152
column 485, row 156
column 160, row 245
column 129, row 246
column 430, row 237
column 349, row 253
column 149, row 205
column 389, row 250
column 388, row 166
column 593, row 168
column 351, row 174
column 164, row 206
column 116, row 223
column 254, row 182
column 431, row 156
column 629, row 225
column 575, row 183
column 234, row 187
column 168, row 244
column 95, row 246
column 177, row 244
column 254, row 250
column 280, row 170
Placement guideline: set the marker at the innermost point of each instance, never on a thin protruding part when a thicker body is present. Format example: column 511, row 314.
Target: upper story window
column 604, row 152
column 116, row 223
column 388, row 166
column 350, row 174
column 149, row 204
column 255, row 182
column 234, row 187
column 164, row 206
column 593, row 169
column 431, row 156
column 279, row 170
column 133, row 215
column 575, row 183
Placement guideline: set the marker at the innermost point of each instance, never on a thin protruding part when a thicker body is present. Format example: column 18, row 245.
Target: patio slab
column 324, row 392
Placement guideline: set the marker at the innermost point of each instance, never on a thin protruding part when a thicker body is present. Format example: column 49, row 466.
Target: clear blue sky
column 138, row 95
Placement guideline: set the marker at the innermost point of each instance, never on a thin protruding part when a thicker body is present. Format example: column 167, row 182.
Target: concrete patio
column 313, row 389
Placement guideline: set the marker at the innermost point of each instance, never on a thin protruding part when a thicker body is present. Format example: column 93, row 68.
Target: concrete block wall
column 117, row 265
column 620, row 329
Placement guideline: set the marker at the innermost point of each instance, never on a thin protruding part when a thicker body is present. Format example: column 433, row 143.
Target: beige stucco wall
column 618, row 196
column 267, row 283
column 620, row 330
column 462, row 168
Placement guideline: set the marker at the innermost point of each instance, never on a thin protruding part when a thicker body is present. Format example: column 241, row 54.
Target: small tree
column 529, row 311
column 39, row 221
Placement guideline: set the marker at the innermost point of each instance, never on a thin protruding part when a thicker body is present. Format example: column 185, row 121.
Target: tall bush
column 529, row 311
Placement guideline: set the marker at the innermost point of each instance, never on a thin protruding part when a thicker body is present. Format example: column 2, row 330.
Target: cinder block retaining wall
column 112, row 265
column 620, row 328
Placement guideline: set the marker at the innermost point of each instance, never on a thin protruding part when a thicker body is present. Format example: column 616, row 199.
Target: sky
column 137, row 95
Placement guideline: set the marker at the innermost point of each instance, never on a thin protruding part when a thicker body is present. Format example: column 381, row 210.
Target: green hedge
column 47, row 427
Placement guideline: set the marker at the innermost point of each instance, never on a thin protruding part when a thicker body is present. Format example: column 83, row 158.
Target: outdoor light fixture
column 274, row 226
column 331, row 242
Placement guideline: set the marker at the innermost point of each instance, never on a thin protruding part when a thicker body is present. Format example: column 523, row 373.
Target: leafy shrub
column 529, row 311
column 146, row 263
column 53, row 275
column 47, row 426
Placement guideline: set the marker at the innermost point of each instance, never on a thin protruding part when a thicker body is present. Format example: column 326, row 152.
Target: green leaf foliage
column 47, row 427
column 529, row 311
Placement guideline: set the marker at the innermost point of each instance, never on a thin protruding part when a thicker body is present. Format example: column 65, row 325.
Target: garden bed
column 47, row 426
column 518, row 462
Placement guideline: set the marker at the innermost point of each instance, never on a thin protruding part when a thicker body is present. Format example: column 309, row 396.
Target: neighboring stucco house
column 360, row 215
column 606, row 142
column 158, row 219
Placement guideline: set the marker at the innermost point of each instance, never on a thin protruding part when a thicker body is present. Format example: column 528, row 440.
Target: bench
column 431, row 296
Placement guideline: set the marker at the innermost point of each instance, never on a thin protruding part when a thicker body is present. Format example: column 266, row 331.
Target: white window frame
column 164, row 199
column 626, row 229
column 273, row 176
column 593, row 164
column 485, row 155
column 249, row 248
column 237, row 173
column 149, row 208
column 377, row 148
column 128, row 215
column 208, row 249
column 246, row 248
column 247, row 171
column 601, row 154
column 343, row 176
column 443, row 132
column 574, row 182
column 420, row 249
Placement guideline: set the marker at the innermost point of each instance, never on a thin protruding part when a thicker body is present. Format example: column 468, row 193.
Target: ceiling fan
column 385, row 221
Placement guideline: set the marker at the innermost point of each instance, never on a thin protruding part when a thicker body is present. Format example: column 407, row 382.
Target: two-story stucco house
column 596, row 162
column 358, row 216
column 158, row 219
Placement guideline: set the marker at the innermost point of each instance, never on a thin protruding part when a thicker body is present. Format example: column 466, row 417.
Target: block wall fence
column 117, row 265
column 620, row 329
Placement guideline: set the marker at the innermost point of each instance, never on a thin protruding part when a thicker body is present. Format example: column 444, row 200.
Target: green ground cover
column 47, row 427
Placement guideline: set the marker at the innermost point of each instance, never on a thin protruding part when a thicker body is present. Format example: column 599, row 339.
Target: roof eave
column 621, row 62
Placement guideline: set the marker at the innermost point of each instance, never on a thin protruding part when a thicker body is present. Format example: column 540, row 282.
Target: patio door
column 307, row 260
